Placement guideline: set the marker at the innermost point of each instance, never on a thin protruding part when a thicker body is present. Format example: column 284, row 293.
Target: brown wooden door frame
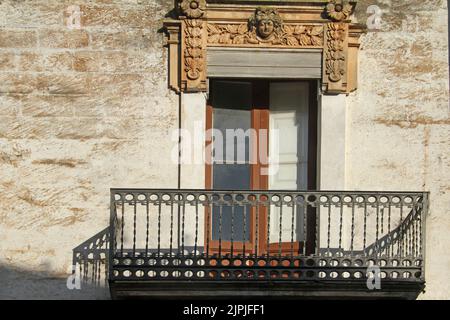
column 260, row 113
column 260, row 121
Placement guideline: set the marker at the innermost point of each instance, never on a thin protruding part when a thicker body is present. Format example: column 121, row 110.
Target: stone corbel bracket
column 173, row 31
column 314, row 25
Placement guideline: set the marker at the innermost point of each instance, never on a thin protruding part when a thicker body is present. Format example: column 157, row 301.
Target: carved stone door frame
column 198, row 25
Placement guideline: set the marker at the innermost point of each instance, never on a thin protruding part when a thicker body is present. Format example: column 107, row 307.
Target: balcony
column 210, row 243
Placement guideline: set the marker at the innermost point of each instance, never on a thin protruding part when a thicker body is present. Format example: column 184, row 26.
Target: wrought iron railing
column 216, row 235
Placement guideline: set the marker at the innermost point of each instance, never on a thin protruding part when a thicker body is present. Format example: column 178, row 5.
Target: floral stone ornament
column 193, row 9
column 338, row 10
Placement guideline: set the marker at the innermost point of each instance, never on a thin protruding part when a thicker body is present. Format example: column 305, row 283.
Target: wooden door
column 261, row 106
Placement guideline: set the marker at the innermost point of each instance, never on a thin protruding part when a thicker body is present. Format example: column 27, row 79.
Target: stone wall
column 82, row 108
column 398, row 121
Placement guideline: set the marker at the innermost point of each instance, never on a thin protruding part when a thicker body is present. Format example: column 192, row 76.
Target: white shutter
column 289, row 113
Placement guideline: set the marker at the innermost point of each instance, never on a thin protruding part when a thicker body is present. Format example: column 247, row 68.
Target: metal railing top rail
column 162, row 190
column 269, row 196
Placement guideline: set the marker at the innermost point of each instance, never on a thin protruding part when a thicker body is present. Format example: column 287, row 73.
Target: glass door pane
column 231, row 168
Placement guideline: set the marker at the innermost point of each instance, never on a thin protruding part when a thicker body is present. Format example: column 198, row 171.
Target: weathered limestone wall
column 86, row 109
column 399, row 137
column 81, row 110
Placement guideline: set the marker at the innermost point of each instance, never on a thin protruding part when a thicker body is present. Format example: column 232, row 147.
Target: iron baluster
column 365, row 224
column 196, row 226
column 377, row 227
column 292, row 228
column 341, row 217
column 147, row 227
column 244, row 235
column 400, row 249
column 220, row 230
column 183, row 217
column 123, row 226
column 171, row 227
column 159, row 225
column 281, row 228
column 317, row 231
column 256, row 227
column 305, row 225
column 232, row 227
column 391, row 245
column 352, row 237
column 134, row 227
column 329, row 226
column 208, row 226
column 268, row 228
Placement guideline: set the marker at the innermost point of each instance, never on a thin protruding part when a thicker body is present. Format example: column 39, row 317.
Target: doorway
column 261, row 135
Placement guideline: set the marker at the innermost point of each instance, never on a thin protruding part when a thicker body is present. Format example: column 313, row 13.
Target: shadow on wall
column 88, row 281
column 90, row 261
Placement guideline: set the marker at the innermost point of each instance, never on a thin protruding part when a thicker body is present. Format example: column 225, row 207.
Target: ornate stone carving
column 265, row 23
column 293, row 25
column 338, row 10
column 193, row 9
column 335, row 55
column 289, row 35
column 194, row 53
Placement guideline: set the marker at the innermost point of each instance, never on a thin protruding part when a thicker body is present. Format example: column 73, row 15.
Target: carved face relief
column 265, row 28
column 265, row 22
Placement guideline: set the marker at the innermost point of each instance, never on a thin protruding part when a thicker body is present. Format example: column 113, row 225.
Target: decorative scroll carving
column 289, row 35
column 338, row 10
column 193, row 9
column 194, row 54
